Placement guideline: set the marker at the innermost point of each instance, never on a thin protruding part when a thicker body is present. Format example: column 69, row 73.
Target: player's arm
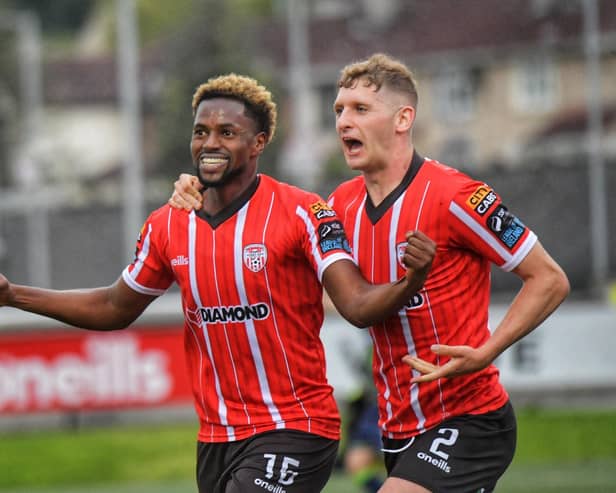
column 364, row 304
column 106, row 308
column 360, row 302
column 545, row 286
column 187, row 193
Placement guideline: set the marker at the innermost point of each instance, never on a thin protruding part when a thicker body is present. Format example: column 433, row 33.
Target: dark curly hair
column 257, row 99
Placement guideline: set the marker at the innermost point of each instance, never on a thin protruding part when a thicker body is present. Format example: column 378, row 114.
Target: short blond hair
column 257, row 99
column 381, row 70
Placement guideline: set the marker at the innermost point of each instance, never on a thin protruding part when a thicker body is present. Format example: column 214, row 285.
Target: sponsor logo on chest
column 235, row 313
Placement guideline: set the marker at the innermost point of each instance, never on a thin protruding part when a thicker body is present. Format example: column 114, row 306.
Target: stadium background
column 95, row 115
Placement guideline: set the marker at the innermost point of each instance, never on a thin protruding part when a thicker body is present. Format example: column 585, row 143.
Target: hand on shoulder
column 186, row 193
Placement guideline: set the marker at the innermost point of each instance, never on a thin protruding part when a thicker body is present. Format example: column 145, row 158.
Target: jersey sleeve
column 150, row 272
column 325, row 240
column 481, row 222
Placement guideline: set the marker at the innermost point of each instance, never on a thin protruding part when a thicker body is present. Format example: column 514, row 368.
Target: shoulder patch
column 321, row 209
column 507, row 227
column 482, row 199
column 331, row 237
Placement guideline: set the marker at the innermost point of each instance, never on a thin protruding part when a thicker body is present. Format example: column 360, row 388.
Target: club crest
column 255, row 256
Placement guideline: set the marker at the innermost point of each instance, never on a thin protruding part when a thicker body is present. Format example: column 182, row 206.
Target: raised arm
column 106, row 308
column 364, row 304
column 544, row 287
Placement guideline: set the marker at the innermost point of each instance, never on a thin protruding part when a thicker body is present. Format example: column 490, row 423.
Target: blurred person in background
column 361, row 454
column 453, row 428
column 251, row 266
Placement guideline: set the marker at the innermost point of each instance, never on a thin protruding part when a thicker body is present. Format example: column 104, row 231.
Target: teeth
column 212, row 160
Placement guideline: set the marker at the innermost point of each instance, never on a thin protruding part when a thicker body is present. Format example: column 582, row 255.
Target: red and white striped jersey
column 472, row 228
column 251, row 291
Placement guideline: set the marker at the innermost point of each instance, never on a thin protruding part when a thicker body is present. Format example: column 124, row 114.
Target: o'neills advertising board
column 59, row 370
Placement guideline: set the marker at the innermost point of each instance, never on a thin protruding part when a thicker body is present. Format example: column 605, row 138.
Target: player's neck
column 383, row 180
column 217, row 199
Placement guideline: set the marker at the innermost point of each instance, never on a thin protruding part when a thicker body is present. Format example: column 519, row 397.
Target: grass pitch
column 558, row 451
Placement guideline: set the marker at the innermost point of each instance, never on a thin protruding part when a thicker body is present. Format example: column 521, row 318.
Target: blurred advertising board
column 568, row 358
column 69, row 369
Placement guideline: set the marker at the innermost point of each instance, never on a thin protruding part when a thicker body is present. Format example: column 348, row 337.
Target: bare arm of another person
column 545, row 286
column 360, row 302
column 187, row 193
column 106, row 308
column 364, row 304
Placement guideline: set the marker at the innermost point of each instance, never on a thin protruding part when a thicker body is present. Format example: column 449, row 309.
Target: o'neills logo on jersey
column 179, row 260
column 255, row 256
column 237, row 313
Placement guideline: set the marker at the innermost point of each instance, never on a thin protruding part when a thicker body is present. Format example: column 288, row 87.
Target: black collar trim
column 376, row 213
column 237, row 203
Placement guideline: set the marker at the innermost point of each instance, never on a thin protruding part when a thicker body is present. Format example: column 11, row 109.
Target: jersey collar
column 376, row 213
column 229, row 211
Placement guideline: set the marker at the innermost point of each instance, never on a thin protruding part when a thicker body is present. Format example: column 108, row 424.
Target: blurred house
column 500, row 82
column 502, row 94
column 83, row 127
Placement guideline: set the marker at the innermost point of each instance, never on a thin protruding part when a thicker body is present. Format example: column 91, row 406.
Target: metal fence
column 86, row 245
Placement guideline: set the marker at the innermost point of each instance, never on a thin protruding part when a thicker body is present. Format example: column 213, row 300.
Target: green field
column 562, row 452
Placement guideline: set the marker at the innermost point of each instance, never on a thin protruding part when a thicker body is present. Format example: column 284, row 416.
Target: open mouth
column 352, row 145
column 212, row 160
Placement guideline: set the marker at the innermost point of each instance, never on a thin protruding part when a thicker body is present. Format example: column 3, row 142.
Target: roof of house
column 92, row 80
column 574, row 121
column 425, row 27
column 419, row 29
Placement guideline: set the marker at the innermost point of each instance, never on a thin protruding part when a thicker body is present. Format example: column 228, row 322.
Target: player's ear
column 260, row 141
column 405, row 118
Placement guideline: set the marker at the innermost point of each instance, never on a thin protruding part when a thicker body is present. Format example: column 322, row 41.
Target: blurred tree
column 215, row 39
column 334, row 172
column 57, row 19
column 9, row 101
column 57, row 15
column 191, row 40
column 159, row 18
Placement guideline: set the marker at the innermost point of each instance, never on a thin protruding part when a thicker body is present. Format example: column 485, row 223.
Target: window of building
column 535, row 85
column 455, row 94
